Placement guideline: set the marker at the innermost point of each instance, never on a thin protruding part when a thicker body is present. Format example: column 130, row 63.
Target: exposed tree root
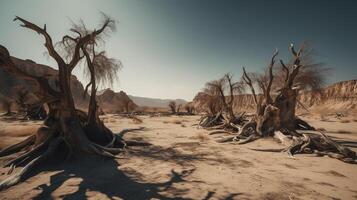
column 123, row 132
column 219, row 122
column 18, row 147
column 27, row 169
column 119, row 137
column 225, row 139
column 41, row 146
column 219, row 132
column 246, row 140
column 311, row 142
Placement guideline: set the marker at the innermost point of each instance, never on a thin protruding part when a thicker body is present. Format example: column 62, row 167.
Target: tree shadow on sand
column 80, row 178
column 103, row 176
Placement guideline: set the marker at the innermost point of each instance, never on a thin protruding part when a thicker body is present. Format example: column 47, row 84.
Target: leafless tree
column 65, row 126
column 221, row 95
column 172, row 106
column 276, row 117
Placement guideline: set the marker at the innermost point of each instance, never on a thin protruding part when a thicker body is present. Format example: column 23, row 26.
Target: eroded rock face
column 9, row 83
column 345, row 91
column 112, row 102
column 109, row 101
column 338, row 97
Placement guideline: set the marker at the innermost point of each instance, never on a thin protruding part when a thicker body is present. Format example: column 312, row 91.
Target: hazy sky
column 170, row 48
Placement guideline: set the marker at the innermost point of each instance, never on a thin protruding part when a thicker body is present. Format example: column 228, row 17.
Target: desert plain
column 185, row 162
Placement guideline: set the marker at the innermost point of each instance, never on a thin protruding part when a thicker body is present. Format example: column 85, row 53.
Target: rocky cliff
column 108, row 100
column 9, row 83
column 338, row 97
column 115, row 102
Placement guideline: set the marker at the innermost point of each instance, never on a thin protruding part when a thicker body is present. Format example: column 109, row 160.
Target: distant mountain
column 154, row 102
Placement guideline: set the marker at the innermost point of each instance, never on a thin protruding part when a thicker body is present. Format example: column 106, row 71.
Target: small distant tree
column 172, row 106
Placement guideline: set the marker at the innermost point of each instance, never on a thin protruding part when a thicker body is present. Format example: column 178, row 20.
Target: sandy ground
column 186, row 163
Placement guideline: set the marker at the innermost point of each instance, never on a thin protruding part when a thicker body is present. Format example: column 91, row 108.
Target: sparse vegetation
column 172, row 106
column 220, row 113
column 196, row 85
column 189, row 108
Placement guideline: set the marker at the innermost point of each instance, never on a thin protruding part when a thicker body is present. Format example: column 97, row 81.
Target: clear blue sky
column 170, row 48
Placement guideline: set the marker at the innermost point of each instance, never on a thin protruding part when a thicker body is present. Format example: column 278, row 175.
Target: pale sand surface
column 186, row 163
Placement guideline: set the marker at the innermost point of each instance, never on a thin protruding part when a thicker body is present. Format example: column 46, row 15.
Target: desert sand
column 184, row 162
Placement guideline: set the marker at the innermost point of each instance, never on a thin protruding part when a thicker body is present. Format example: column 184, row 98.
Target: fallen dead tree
column 66, row 131
column 276, row 117
column 220, row 113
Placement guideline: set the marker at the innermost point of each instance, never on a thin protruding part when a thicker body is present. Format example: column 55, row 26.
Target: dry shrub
column 183, row 125
column 165, row 122
column 355, row 120
column 345, row 121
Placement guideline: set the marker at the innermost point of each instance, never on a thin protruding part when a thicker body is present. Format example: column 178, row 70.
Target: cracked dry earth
column 184, row 162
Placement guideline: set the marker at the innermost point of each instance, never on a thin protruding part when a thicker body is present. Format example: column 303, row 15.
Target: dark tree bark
column 65, row 130
column 276, row 117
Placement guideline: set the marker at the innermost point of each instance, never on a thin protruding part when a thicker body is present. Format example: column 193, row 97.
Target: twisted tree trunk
column 277, row 118
column 66, row 131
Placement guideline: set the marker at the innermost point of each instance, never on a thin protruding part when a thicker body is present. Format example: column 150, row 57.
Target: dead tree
column 172, row 106
column 224, row 118
column 276, row 117
column 66, row 130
